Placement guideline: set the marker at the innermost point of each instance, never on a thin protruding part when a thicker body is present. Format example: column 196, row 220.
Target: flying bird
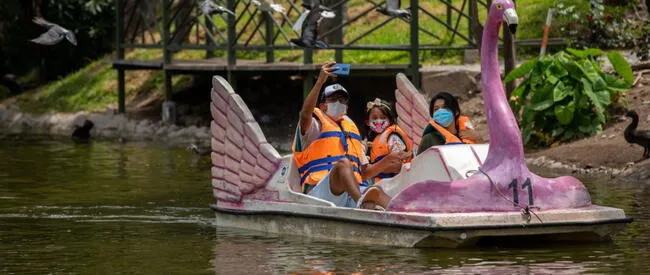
column 54, row 33
column 392, row 9
column 209, row 8
column 268, row 6
column 634, row 136
column 309, row 5
column 310, row 29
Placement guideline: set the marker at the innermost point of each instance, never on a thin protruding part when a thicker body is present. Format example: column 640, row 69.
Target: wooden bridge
column 171, row 26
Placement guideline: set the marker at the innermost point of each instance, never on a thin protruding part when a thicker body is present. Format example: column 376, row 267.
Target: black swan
column 634, row 136
column 83, row 132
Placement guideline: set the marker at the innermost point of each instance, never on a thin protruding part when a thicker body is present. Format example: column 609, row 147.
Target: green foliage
column 598, row 23
column 566, row 95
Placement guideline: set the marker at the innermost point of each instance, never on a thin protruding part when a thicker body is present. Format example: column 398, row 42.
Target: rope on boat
column 526, row 211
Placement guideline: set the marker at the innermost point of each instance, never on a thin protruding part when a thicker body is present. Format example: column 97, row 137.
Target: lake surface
column 143, row 208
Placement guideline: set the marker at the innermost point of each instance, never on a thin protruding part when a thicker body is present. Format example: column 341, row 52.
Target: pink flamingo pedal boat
column 448, row 196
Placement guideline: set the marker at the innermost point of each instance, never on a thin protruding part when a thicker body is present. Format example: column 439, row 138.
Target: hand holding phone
column 343, row 69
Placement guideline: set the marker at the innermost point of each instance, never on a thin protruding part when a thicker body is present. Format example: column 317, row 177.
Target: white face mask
column 336, row 110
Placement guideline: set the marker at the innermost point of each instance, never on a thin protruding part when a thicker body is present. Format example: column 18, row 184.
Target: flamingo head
column 504, row 11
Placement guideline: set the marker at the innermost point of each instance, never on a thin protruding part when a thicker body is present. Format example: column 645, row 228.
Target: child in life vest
column 384, row 137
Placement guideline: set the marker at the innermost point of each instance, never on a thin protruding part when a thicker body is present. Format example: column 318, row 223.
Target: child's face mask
column 379, row 125
column 443, row 116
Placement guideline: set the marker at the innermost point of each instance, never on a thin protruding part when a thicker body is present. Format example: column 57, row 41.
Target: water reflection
column 286, row 254
column 105, row 207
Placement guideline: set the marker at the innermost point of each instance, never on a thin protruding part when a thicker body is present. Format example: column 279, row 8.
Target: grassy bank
column 94, row 87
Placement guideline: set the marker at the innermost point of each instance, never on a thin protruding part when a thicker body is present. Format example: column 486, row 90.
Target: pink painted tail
column 412, row 109
column 242, row 159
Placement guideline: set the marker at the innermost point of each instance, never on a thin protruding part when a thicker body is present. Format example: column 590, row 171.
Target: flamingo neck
column 505, row 138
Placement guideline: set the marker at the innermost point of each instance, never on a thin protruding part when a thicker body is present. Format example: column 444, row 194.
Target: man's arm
column 311, row 100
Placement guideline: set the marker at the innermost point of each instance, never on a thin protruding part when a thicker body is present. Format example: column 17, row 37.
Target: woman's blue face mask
column 443, row 116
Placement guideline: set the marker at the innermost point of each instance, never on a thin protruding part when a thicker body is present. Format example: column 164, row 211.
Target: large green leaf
column 585, row 123
column 542, row 98
column 621, row 66
column 590, row 71
column 564, row 113
column 575, row 71
column 521, row 70
column 541, row 105
column 585, row 53
column 560, row 91
column 603, row 97
column 600, row 111
column 557, row 70
column 614, row 82
column 517, row 92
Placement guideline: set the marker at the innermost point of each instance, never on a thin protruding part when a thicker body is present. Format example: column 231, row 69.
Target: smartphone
column 344, row 69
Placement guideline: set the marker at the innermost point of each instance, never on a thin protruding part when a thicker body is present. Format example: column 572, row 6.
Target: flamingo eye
column 499, row 6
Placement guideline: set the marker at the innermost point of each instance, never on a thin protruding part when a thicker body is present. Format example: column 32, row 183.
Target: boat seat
column 293, row 178
column 459, row 159
column 295, row 192
column 481, row 151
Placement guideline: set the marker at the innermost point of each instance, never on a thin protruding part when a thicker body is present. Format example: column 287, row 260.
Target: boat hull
column 451, row 230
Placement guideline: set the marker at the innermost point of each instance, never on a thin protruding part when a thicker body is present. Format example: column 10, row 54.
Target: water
column 143, row 208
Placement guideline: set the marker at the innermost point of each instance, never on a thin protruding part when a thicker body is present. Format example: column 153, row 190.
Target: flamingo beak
column 511, row 18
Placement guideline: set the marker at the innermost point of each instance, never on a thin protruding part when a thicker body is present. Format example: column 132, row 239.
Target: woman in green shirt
column 445, row 113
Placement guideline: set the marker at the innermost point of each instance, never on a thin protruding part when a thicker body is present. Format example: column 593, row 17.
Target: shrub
column 565, row 96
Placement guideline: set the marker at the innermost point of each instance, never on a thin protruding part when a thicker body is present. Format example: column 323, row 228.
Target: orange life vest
column 449, row 137
column 335, row 142
column 380, row 149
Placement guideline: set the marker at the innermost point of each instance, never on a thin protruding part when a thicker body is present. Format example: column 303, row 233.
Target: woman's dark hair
column 450, row 103
column 386, row 108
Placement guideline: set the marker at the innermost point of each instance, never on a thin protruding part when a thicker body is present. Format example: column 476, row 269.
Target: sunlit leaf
column 564, row 113
column 521, row 70
column 560, row 92
column 621, row 66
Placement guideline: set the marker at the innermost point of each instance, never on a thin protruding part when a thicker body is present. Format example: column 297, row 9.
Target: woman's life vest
column 336, row 141
column 448, row 136
column 380, row 149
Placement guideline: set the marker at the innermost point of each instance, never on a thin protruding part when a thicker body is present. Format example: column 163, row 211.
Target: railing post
column 449, row 10
column 415, row 43
column 165, row 35
column 470, row 11
column 208, row 42
column 232, row 36
column 268, row 22
column 119, row 39
column 338, row 35
column 308, row 80
column 509, row 56
column 168, row 107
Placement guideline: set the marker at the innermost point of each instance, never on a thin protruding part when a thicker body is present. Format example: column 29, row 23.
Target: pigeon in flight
column 209, row 8
column 310, row 5
column 310, row 31
column 54, row 33
column 268, row 6
column 392, row 9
